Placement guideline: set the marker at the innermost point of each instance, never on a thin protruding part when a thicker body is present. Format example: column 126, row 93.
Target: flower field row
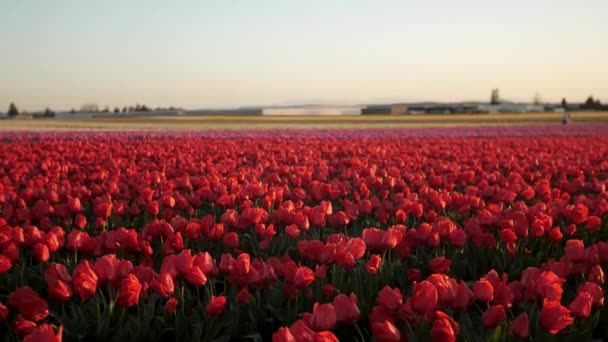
column 365, row 236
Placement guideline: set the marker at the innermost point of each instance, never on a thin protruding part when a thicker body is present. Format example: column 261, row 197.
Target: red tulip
column 596, row 275
column 386, row 332
column 303, row 332
column 390, row 299
column 440, row 265
column 80, row 221
column 243, row 264
column 5, row 264
column 581, row 306
column 328, row 290
column 413, row 274
column 243, row 296
column 503, row 295
column 130, row 289
column 58, row 282
column 458, row 238
column 593, row 223
column 23, row 326
column 377, row 239
column 320, row 272
column 347, row 310
column 103, row 210
column 171, row 305
column 226, row 263
column 231, row 240
column 323, row 317
column 29, row 303
column 597, row 293
column 283, row 335
column 44, row 333
column 3, row 312
column 554, row 317
column 493, row 316
column 163, row 285
column 84, row 280
column 195, row 276
column 575, row 250
column 442, row 315
column 105, row 268
column 215, row 307
column 183, row 261
column 443, row 330
column 520, row 326
column 549, row 286
column 424, row 298
column 373, row 264
column 325, row 336
column 303, row 277
column 206, row 263
column 483, row 290
column 463, row 298
column 292, row 231
column 41, row 252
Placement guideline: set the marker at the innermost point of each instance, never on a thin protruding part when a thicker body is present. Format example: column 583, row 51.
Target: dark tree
column 48, row 113
column 124, row 109
column 116, row 110
column 495, row 97
column 564, row 104
column 590, row 102
column 73, row 111
column 145, row 109
column 12, row 110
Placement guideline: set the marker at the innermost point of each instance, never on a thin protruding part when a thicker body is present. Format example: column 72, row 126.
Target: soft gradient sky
column 64, row 53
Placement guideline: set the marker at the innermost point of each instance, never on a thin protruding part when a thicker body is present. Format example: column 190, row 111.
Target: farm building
column 512, row 108
column 392, row 109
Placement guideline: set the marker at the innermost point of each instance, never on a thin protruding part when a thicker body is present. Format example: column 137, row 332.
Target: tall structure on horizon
column 495, row 98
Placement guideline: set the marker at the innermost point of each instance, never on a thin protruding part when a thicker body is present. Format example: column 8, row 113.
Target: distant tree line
column 92, row 108
column 589, row 104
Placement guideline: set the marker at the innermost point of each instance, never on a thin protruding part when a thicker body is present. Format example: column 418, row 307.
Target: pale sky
column 64, row 53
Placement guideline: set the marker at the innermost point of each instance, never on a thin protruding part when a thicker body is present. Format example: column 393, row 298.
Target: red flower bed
column 303, row 238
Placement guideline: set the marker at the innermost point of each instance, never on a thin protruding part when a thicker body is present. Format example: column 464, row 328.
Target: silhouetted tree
column 12, row 110
column 564, row 104
column 48, row 113
column 592, row 104
column 89, row 108
column 116, row 110
column 144, row 108
column 72, row 111
column 495, row 97
column 124, row 109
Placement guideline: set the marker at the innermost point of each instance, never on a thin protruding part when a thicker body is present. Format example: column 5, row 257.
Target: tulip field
column 460, row 234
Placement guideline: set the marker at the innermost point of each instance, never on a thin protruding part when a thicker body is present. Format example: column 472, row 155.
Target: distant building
column 313, row 110
column 244, row 111
column 391, row 109
column 512, row 108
